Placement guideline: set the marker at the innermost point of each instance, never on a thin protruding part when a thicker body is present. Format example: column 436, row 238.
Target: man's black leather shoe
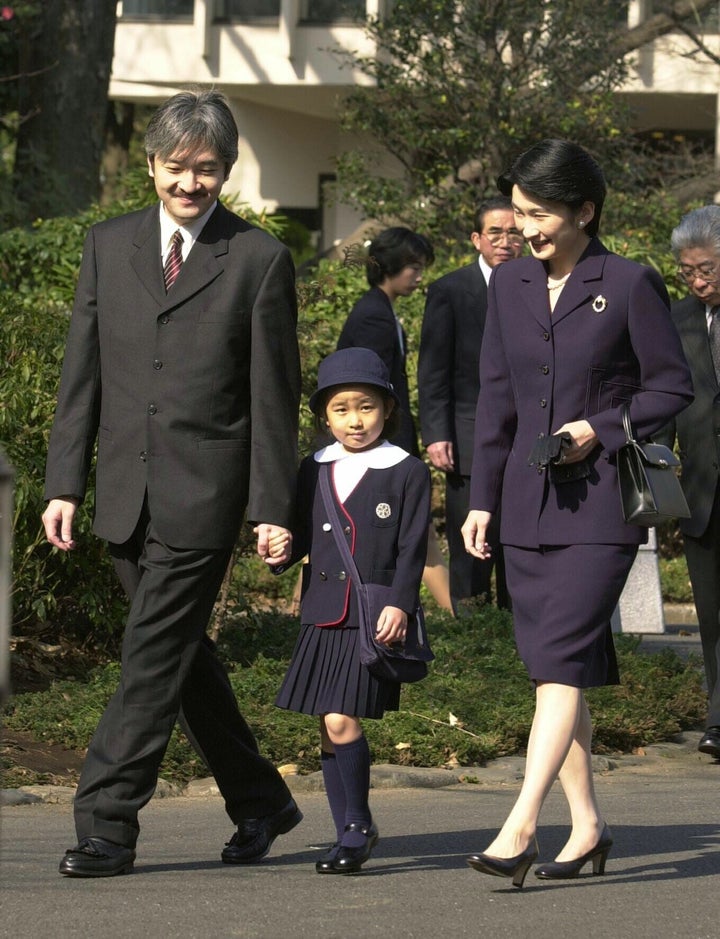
column 710, row 742
column 254, row 836
column 96, row 857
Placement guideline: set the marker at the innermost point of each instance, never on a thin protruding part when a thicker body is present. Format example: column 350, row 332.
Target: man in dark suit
column 448, row 386
column 696, row 246
column 182, row 361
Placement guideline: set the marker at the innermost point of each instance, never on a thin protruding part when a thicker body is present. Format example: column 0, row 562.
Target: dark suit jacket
column 389, row 547
column 372, row 325
column 193, row 395
column 697, row 427
column 448, row 381
column 611, row 339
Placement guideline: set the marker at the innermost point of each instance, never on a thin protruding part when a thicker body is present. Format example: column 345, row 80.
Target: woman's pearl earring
column 581, row 224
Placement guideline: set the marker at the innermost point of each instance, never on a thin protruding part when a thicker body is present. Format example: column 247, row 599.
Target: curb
column 678, row 756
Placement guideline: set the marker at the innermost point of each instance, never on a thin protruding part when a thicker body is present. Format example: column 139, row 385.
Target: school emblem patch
column 383, row 510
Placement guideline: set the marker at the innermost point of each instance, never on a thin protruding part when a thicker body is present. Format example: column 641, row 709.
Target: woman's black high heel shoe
column 515, row 867
column 558, row 870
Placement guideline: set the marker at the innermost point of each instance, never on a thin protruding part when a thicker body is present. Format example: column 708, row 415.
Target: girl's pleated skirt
column 325, row 676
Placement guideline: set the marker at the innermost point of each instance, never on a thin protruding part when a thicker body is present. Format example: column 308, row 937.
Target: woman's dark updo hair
column 392, row 250
column 558, row 171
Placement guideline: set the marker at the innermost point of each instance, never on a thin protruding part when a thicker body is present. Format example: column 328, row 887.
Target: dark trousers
column 703, row 560
column 168, row 666
column 470, row 577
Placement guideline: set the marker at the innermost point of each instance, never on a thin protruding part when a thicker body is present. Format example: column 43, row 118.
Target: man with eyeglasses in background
column 695, row 244
column 448, row 386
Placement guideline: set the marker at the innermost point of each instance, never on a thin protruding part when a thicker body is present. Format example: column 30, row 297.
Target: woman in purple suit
column 573, row 332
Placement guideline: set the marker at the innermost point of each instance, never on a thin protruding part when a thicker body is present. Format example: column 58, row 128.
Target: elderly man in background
column 695, row 245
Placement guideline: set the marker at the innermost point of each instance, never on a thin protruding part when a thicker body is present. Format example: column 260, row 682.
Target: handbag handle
column 626, row 423
column 336, row 524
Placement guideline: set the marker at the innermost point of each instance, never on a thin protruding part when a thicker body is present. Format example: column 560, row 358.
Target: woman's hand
column 391, row 625
column 473, row 532
column 584, row 441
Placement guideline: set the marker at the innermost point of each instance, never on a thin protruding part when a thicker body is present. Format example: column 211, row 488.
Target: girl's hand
column 274, row 544
column 391, row 625
column 584, row 441
column 473, row 532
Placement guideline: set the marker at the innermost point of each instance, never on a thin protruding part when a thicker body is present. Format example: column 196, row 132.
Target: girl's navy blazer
column 609, row 340
column 385, row 521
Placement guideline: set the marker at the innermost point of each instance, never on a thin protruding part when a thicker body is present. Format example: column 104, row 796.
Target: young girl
column 383, row 498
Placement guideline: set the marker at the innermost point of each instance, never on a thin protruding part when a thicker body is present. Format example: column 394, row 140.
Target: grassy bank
column 475, row 705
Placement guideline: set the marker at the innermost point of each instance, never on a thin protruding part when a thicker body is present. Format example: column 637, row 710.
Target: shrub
column 475, row 705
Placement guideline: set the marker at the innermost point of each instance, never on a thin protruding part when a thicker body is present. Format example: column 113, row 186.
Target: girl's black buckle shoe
column 559, row 870
column 350, row 860
column 515, row 867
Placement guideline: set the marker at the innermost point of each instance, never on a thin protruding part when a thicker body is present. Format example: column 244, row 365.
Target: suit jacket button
column 143, row 456
column 546, row 337
column 152, row 409
column 164, row 319
column 545, row 369
column 543, row 402
column 347, row 529
column 157, row 364
column 342, row 575
column 323, row 575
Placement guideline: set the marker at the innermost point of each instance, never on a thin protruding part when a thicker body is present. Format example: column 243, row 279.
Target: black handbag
column 650, row 490
column 402, row 661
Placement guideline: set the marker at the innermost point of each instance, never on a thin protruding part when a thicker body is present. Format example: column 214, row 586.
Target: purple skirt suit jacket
column 609, row 340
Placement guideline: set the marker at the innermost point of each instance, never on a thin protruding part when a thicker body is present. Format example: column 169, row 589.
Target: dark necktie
column 714, row 336
column 174, row 260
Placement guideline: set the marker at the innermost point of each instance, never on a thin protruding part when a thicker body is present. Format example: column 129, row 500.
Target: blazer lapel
column 203, row 263
column 477, row 289
column 534, row 293
column 201, row 267
column 583, row 285
column 697, row 346
column 147, row 261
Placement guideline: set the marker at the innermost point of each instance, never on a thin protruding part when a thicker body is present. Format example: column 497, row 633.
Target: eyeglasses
column 496, row 235
column 706, row 272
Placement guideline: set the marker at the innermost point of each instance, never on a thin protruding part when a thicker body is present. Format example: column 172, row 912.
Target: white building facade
column 274, row 61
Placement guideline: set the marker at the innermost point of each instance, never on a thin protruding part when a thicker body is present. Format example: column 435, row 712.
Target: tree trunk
column 65, row 67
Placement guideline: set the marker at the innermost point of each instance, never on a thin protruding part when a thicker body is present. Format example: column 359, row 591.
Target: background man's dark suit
column 698, row 435
column 193, row 397
column 448, row 386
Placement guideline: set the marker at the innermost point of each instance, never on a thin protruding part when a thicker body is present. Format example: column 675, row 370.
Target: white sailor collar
column 380, row 457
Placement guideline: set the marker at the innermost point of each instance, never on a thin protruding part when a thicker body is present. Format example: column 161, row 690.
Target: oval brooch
column 599, row 303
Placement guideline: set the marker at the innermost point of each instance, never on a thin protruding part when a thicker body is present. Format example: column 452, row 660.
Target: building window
column 242, row 10
column 333, row 11
column 157, row 9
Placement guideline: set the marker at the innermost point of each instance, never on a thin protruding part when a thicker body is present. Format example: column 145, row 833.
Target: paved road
column 661, row 881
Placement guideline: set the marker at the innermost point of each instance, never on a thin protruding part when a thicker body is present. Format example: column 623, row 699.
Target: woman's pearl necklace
column 557, row 284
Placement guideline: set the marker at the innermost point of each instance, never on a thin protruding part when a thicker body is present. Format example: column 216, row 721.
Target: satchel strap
column 336, row 524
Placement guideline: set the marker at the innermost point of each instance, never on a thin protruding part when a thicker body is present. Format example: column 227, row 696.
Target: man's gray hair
column 698, row 229
column 192, row 121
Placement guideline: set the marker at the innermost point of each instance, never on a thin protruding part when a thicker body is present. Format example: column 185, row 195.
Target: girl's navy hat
column 353, row 366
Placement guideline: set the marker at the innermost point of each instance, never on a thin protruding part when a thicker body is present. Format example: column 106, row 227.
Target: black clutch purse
column 650, row 491
column 548, row 451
